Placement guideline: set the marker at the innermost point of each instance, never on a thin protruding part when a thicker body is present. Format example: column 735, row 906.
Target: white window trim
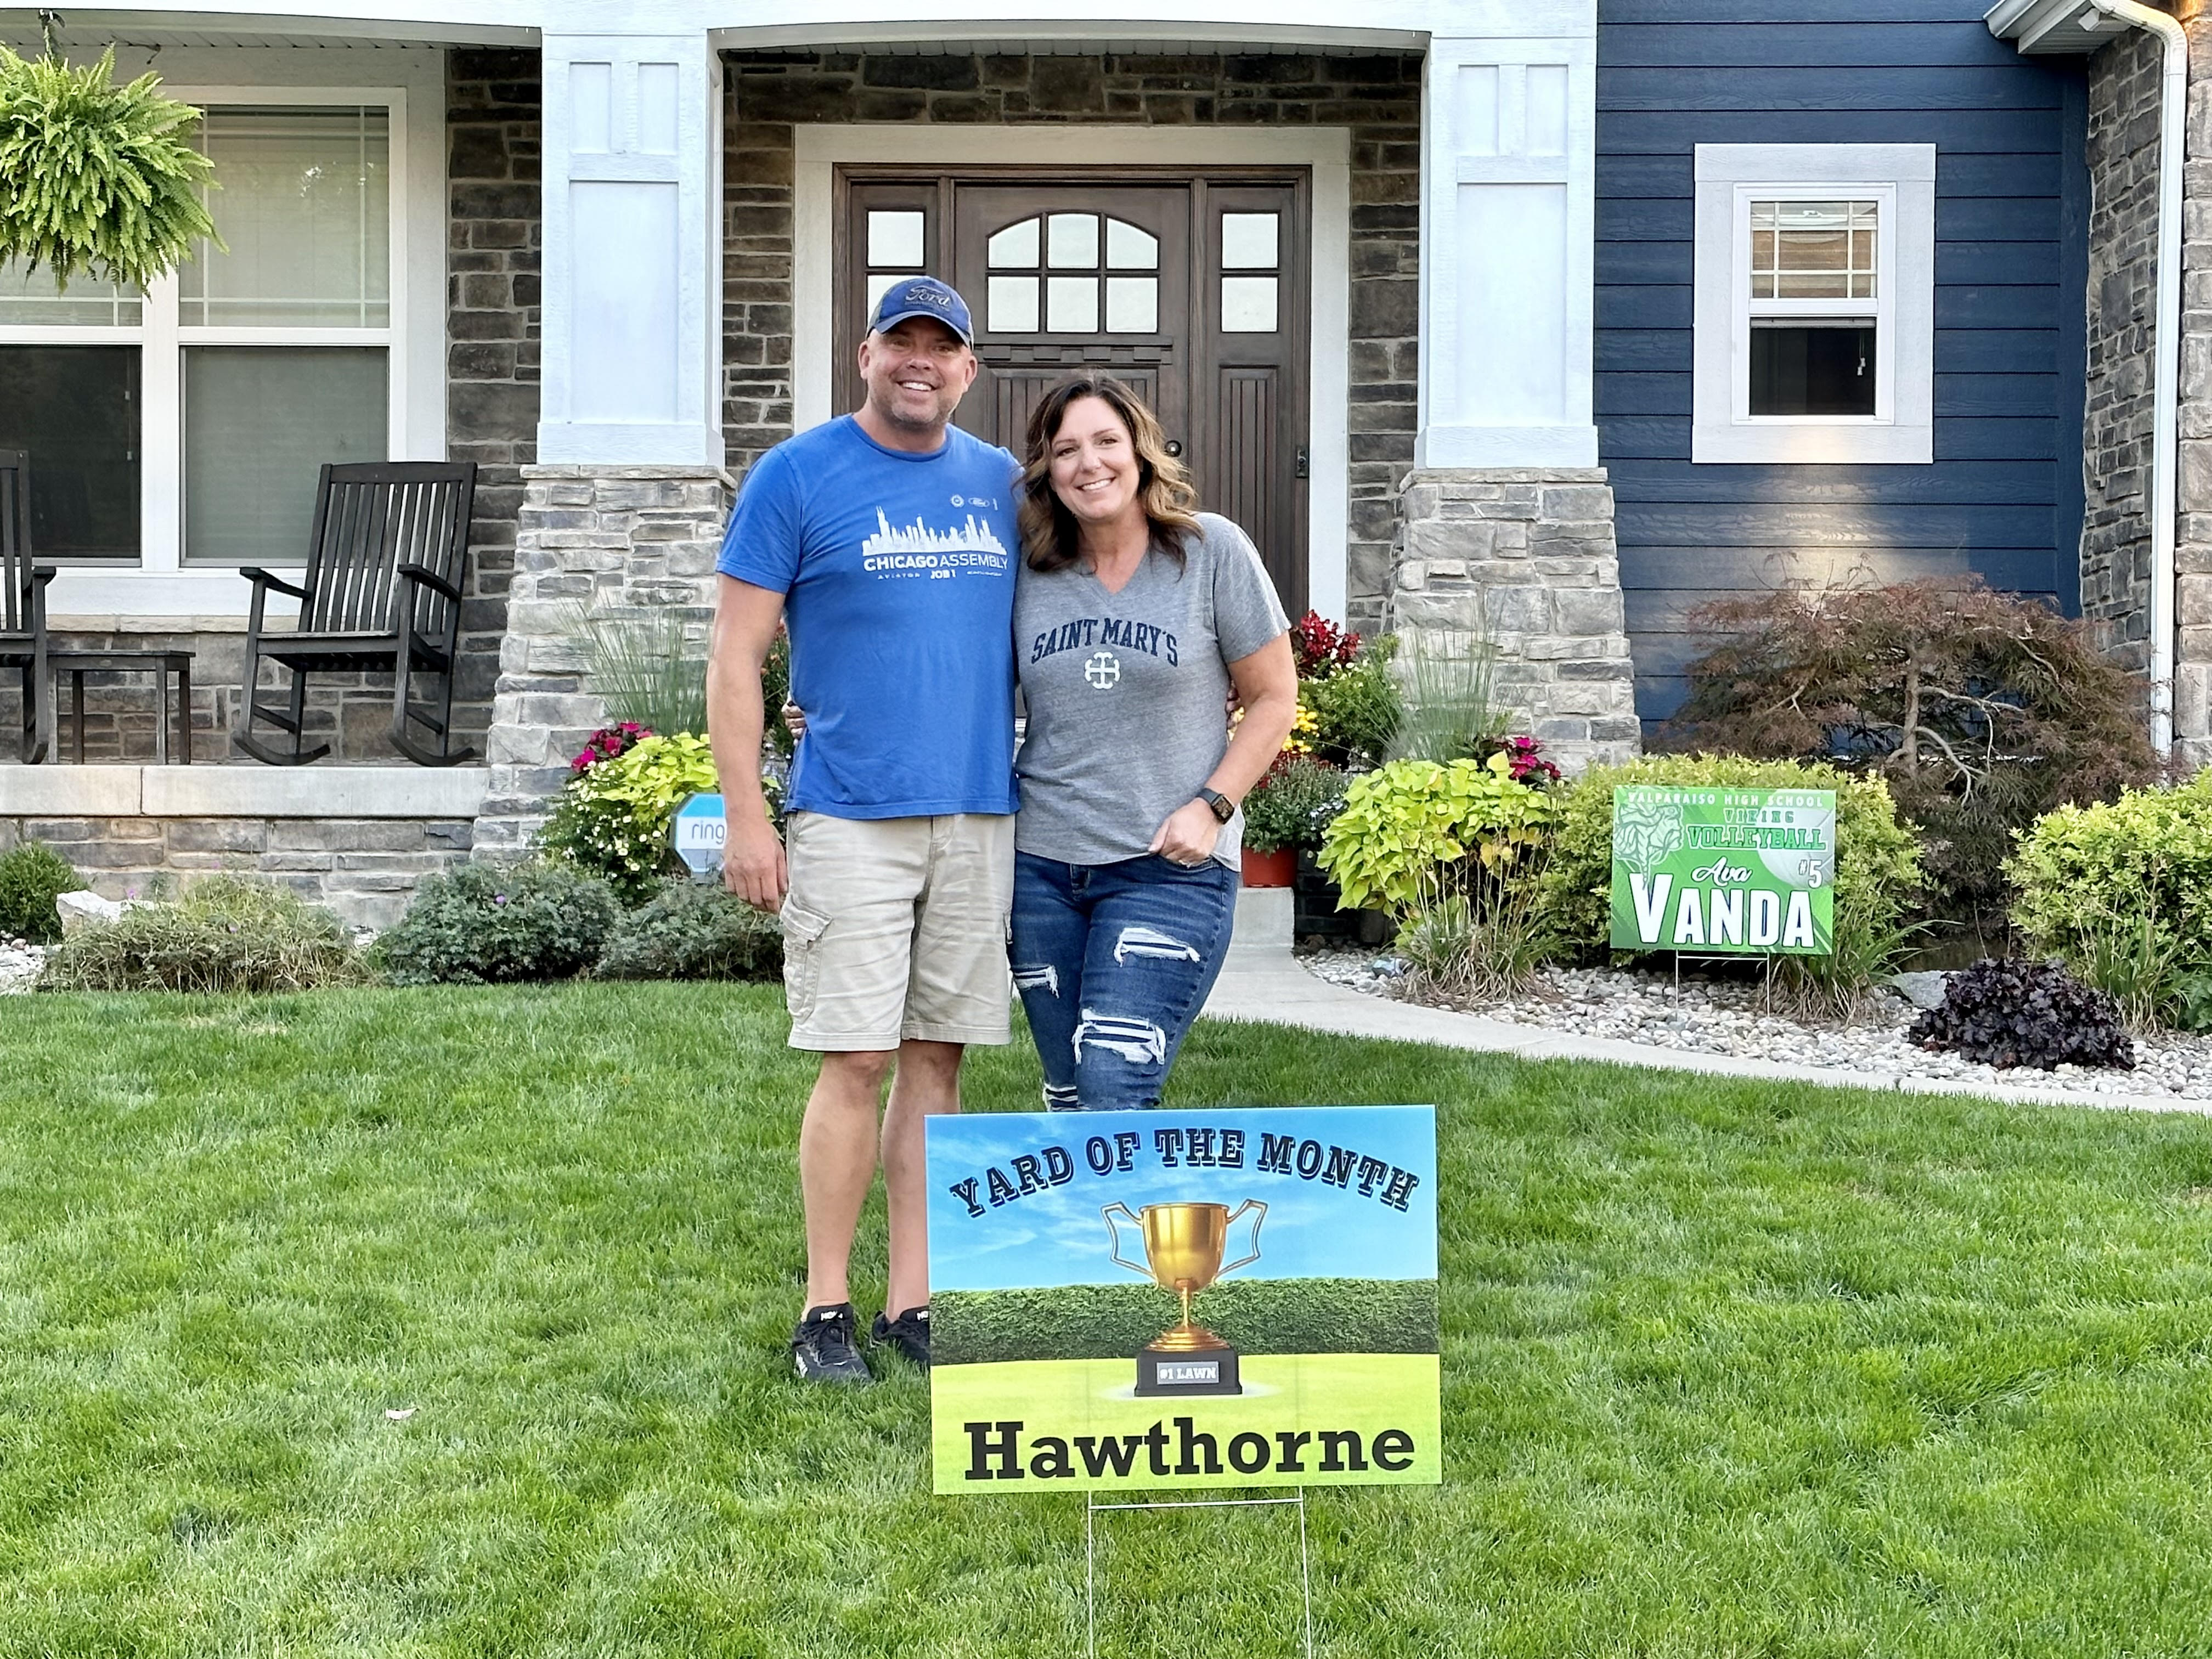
column 160, row 590
column 1902, row 178
column 1326, row 150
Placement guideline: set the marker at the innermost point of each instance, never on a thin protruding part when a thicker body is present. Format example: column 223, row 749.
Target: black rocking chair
column 381, row 591
column 24, row 600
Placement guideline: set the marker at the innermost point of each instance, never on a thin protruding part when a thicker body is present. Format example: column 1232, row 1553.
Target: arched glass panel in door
column 1068, row 273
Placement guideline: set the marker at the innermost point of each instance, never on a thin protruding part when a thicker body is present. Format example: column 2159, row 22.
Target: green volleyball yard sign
column 1724, row 870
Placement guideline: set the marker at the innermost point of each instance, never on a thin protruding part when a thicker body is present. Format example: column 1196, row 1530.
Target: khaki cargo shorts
column 896, row 928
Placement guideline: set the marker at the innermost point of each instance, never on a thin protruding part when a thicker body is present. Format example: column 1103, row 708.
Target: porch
column 619, row 267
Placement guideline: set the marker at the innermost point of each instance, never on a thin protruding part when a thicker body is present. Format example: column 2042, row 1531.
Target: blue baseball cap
column 923, row 296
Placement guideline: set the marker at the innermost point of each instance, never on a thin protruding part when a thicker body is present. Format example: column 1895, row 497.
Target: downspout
column 2166, row 356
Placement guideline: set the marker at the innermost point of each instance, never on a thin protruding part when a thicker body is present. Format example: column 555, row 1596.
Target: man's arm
column 745, row 621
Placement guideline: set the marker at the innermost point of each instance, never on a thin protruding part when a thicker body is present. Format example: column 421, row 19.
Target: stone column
column 1525, row 561
column 1505, row 527
column 622, row 541
column 624, row 513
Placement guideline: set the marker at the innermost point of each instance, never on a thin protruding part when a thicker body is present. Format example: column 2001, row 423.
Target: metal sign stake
column 1092, row 1509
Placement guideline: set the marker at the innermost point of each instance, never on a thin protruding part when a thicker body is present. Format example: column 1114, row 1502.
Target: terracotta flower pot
column 1277, row 869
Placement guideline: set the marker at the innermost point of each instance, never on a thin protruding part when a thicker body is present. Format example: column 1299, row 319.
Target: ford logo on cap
column 923, row 296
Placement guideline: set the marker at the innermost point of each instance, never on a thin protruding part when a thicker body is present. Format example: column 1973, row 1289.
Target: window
column 1814, row 303
column 1060, row 273
column 214, row 398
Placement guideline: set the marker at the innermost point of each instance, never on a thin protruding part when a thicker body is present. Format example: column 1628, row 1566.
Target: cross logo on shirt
column 1102, row 670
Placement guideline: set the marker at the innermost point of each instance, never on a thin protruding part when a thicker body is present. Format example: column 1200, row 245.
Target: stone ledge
column 72, row 792
column 587, row 470
column 314, row 792
column 240, row 791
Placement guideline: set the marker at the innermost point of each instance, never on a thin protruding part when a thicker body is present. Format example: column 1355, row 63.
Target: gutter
column 2078, row 27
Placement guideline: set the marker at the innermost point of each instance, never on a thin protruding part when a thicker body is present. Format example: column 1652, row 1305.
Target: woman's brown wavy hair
column 1163, row 489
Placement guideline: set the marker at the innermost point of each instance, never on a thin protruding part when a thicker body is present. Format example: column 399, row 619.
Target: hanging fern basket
column 96, row 179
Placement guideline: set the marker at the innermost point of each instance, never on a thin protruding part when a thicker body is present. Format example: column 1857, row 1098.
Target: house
column 1550, row 318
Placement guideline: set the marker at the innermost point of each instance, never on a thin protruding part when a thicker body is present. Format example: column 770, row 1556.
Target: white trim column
column 632, row 361
column 1508, row 144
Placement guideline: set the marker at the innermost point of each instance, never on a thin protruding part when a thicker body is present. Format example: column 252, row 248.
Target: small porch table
column 159, row 664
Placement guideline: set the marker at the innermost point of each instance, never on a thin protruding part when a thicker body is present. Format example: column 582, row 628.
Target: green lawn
column 1728, row 1369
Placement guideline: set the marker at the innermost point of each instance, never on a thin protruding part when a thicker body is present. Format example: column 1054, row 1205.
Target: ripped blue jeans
column 1113, row 962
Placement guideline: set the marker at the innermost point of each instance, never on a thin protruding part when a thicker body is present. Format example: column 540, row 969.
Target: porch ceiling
column 90, row 32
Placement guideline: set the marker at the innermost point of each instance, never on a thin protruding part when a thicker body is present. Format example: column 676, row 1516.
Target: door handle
column 1300, row 463
column 1175, row 447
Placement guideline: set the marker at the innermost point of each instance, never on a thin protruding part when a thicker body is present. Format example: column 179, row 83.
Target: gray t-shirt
column 1126, row 690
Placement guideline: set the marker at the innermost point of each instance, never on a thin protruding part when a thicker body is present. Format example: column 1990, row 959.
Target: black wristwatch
column 1223, row 808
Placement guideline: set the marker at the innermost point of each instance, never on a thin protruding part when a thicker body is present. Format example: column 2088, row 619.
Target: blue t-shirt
column 897, row 571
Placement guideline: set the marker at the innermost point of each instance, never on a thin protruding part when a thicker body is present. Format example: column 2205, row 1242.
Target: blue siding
column 2003, row 497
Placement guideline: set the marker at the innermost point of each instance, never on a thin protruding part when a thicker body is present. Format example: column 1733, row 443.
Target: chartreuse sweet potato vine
column 1407, row 827
column 96, row 179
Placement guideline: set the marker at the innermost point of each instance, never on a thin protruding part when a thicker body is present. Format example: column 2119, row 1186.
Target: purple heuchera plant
column 606, row 743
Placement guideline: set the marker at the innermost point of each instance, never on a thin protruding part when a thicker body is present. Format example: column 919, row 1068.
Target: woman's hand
column 795, row 719
column 1188, row 837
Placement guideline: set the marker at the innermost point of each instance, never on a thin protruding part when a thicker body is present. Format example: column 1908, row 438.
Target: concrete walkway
column 1265, row 984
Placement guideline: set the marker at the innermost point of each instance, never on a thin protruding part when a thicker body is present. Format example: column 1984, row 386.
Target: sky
column 1058, row 1236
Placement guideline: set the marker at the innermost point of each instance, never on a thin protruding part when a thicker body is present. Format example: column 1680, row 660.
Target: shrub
column 1982, row 710
column 2016, row 1012
column 1413, row 830
column 486, row 924
column 1878, row 865
column 1253, row 1316
column 1293, row 804
column 613, row 819
column 223, row 934
column 2121, row 892
column 692, row 931
column 31, row 879
column 1355, row 708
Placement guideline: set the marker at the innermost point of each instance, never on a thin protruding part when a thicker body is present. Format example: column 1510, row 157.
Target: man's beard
column 887, row 407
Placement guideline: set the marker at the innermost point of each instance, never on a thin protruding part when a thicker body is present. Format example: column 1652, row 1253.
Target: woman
column 1133, row 617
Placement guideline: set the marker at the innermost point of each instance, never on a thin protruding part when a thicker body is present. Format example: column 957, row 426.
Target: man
column 887, row 540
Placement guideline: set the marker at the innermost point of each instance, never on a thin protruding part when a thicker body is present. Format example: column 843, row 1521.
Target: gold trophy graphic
column 1183, row 1246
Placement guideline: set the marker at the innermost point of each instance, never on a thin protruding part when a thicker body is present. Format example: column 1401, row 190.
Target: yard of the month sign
column 1723, row 870
column 699, row 829
column 1223, row 1296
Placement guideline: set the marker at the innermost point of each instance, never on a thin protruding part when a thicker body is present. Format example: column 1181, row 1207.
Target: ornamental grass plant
column 223, row 934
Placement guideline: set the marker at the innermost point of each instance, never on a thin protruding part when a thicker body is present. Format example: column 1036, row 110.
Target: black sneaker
column 909, row 1333
column 822, row 1347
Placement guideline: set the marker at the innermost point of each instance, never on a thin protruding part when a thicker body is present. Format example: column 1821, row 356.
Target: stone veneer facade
column 364, row 869
column 1378, row 97
column 1525, row 562
column 2122, row 157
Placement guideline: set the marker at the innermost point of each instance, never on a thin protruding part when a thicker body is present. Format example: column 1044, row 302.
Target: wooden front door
column 1191, row 288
